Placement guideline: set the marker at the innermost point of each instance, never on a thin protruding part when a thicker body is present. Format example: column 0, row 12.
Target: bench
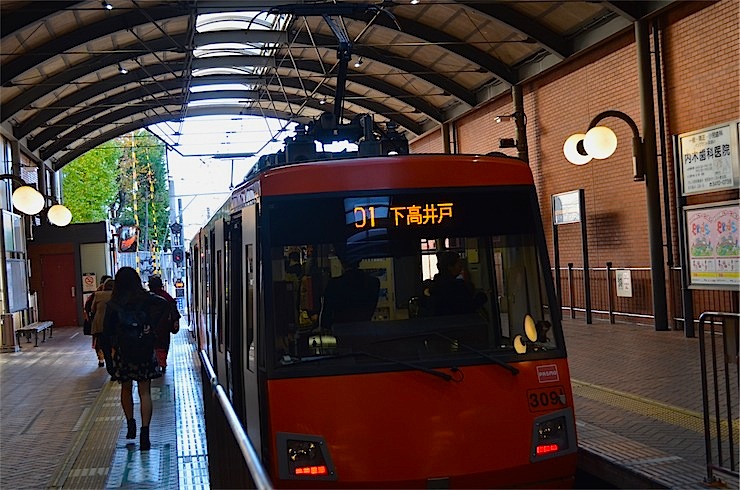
column 34, row 328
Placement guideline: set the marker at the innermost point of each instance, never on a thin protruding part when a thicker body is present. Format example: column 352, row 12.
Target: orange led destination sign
column 412, row 215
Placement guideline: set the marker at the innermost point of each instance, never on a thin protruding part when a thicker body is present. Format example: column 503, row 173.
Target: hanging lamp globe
column 59, row 215
column 28, row 200
column 600, row 142
column 570, row 150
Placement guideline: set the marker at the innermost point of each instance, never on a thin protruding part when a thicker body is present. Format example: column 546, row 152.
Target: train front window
column 437, row 278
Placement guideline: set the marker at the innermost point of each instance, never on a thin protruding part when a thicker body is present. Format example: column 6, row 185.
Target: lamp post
column 646, row 166
column 600, row 142
column 28, row 200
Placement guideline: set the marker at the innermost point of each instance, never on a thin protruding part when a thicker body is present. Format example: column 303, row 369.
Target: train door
column 207, row 295
column 210, row 298
column 250, row 339
column 235, row 326
column 194, row 289
column 219, row 308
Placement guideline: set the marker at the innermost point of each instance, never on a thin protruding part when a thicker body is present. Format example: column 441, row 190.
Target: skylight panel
column 246, row 70
column 219, row 102
column 221, row 86
column 226, row 49
column 229, row 21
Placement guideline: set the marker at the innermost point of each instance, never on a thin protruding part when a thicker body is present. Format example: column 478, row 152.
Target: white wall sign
column 566, row 208
column 624, row 283
column 709, row 159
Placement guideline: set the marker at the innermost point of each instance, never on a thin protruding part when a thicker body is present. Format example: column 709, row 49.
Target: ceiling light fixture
column 414, row 2
column 106, row 5
column 122, row 70
column 358, row 63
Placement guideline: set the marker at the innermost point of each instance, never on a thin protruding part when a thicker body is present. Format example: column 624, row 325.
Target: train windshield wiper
column 496, row 361
column 501, row 363
column 411, row 365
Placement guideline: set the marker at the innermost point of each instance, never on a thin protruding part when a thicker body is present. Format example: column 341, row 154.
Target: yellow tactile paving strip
column 99, row 456
column 87, row 463
column 663, row 412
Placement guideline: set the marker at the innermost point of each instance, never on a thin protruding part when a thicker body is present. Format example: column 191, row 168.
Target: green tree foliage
column 145, row 154
column 90, row 183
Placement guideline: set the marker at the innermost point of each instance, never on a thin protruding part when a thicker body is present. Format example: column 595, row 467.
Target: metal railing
column 232, row 460
column 720, row 391
column 604, row 299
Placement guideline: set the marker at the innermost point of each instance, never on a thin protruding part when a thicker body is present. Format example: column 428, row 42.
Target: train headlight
column 553, row 435
column 302, row 451
column 302, row 456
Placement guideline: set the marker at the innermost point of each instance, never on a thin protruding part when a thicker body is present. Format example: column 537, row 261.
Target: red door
column 58, row 290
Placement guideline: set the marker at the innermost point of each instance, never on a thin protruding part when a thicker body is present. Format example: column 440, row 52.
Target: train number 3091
column 546, row 398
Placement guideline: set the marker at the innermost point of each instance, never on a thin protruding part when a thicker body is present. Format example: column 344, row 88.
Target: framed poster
column 713, row 246
column 709, row 159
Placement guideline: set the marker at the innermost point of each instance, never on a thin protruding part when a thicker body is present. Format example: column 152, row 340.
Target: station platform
column 638, row 402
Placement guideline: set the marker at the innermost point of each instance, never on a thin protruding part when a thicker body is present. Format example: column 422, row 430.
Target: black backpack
column 135, row 336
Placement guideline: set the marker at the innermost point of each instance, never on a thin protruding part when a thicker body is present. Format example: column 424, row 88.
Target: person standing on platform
column 129, row 336
column 97, row 312
column 170, row 323
column 87, row 329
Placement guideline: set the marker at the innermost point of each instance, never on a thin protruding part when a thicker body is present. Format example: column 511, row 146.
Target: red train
column 403, row 393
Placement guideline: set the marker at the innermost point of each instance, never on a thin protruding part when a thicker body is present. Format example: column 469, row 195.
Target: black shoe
column 101, row 364
column 131, row 432
column 144, row 443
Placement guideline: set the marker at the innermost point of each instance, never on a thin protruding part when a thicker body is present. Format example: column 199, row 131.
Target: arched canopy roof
column 417, row 64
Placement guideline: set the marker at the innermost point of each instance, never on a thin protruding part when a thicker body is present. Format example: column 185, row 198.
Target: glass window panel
column 356, row 280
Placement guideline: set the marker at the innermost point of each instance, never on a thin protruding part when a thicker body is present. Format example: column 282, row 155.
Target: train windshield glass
column 438, row 278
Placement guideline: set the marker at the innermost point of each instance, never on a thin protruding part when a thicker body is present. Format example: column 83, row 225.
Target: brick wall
column 429, row 143
column 700, row 88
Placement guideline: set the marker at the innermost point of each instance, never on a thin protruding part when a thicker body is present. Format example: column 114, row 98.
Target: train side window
column 521, row 291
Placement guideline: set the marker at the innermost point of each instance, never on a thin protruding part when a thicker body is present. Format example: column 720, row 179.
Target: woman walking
column 97, row 312
column 170, row 323
column 129, row 317
column 89, row 318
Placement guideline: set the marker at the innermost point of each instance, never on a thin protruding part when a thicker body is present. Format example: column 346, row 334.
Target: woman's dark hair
column 127, row 286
